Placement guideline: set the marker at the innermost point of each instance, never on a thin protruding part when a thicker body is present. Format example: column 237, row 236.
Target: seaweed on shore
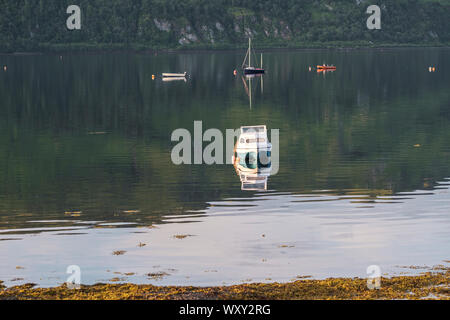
column 429, row 285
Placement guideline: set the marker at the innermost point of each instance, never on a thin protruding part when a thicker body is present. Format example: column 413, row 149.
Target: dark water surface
column 85, row 167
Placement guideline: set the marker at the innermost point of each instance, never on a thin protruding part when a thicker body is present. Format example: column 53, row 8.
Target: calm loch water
column 86, row 176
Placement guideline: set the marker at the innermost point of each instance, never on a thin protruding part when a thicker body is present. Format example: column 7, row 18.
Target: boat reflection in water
column 325, row 71
column 249, row 87
column 252, row 158
column 170, row 79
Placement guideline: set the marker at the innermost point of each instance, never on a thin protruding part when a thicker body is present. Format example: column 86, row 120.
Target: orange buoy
column 153, row 77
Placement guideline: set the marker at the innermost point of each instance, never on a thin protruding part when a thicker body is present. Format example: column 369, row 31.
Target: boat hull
column 326, row 68
column 254, row 71
column 174, row 75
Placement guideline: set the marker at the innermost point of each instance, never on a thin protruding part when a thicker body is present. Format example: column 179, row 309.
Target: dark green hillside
column 29, row 25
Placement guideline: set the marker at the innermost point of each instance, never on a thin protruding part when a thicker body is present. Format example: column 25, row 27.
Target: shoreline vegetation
column 140, row 48
column 433, row 284
column 108, row 47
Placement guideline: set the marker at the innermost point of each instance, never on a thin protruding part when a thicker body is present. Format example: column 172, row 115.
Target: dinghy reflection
column 170, row 79
column 252, row 158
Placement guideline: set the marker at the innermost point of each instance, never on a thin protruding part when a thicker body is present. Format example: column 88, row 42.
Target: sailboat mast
column 262, row 81
column 249, row 52
column 247, row 55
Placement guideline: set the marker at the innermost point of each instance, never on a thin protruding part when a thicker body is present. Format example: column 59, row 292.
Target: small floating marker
column 153, row 77
column 73, row 213
column 235, row 72
column 96, row 132
column 5, row 68
column 131, row 211
column 417, row 146
column 310, row 68
column 434, row 69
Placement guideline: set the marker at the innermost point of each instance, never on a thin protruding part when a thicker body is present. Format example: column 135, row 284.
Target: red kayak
column 324, row 67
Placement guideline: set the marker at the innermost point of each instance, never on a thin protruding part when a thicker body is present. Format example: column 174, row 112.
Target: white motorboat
column 252, row 158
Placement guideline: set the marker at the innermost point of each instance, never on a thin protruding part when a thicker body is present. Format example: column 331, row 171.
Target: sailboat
column 248, row 69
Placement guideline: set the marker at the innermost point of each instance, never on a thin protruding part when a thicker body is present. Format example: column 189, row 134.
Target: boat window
column 264, row 159
column 254, row 186
column 253, row 129
column 253, row 160
column 249, row 160
column 256, row 178
column 256, row 140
